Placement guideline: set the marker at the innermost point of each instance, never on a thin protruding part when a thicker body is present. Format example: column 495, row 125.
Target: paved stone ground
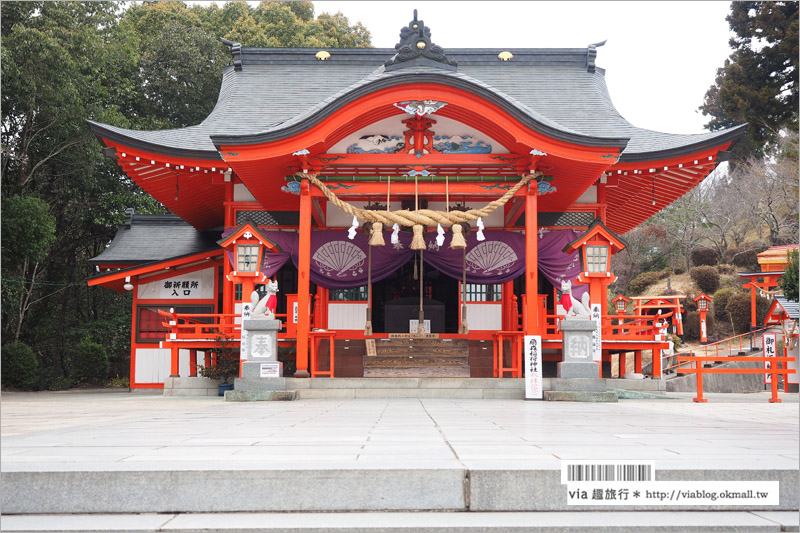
column 102, row 431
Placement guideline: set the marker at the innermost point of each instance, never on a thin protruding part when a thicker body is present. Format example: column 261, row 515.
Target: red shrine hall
column 453, row 195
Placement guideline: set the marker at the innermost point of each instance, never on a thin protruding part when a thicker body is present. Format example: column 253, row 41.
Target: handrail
column 717, row 344
column 699, row 370
column 634, row 327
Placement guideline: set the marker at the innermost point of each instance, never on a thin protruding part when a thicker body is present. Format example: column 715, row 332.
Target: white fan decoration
column 340, row 258
column 491, row 258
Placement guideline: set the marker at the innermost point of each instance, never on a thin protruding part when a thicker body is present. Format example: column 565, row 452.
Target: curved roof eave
column 381, row 80
column 707, row 142
column 131, row 138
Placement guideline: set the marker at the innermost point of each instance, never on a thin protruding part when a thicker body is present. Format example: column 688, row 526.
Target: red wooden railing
column 699, row 370
column 725, row 346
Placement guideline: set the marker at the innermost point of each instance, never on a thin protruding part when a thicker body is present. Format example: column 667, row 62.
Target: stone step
column 444, row 347
column 417, row 372
column 662, row 521
column 415, row 361
column 447, row 351
column 266, row 485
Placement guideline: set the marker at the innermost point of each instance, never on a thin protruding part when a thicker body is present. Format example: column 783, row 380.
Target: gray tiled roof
column 790, row 307
column 155, row 238
column 281, row 91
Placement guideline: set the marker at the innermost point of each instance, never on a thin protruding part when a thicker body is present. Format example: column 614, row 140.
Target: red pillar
column 531, row 260
column 192, row 363
column 303, row 281
column 637, row 361
column 227, row 286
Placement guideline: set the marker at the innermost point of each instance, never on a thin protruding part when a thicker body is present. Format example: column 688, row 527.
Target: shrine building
column 383, row 186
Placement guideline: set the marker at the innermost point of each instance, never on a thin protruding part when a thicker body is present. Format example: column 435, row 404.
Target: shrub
column 61, row 384
column 288, row 356
column 704, row 256
column 691, row 325
column 679, row 270
column 789, row 281
column 747, row 258
column 642, row 281
column 739, row 309
column 720, row 301
column 726, row 270
column 669, row 292
column 89, row 362
column 706, row 277
column 226, row 361
column 20, row 367
column 729, row 254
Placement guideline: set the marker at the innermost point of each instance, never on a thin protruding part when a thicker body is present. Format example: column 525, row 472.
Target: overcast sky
column 660, row 57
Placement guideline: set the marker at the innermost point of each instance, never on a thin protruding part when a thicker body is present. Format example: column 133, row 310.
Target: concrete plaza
column 169, row 461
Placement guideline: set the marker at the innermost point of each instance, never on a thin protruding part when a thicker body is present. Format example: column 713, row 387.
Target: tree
column 684, row 223
column 155, row 65
column 758, row 83
column 789, row 280
column 28, row 232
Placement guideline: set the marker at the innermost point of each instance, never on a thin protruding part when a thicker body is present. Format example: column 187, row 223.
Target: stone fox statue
column 266, row 306
column 572, row 306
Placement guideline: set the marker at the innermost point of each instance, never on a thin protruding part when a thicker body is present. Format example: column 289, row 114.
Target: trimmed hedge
column 645, row 279
column 720, row 301
column 20, row 367
column 739, row 308
column 706, row 277
column 704, row 256
column 89, row 362
column 691, row 325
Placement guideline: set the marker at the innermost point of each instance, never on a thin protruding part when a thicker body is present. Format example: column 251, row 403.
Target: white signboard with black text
column 197, row 285
column 770, row 350
column 246, row 313
column 533, row 367
column 597, row 335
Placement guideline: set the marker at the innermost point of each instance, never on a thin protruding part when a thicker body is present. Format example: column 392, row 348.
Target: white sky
column 660, row 57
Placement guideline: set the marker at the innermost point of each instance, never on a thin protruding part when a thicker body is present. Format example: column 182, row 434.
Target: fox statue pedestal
column 262, row 374
column 577, row 349
column 578, row 379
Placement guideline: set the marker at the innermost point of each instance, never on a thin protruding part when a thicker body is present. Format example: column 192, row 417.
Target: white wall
column 485, row 316
column 347, row 315
column 153, row 365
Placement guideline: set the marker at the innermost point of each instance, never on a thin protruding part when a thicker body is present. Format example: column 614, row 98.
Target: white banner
column 770, row 350
column 597, row 334
column 194, row 286
column 246, row 313
column 533, row 367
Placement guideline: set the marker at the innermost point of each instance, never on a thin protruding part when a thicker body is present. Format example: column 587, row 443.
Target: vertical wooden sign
column 533, row 367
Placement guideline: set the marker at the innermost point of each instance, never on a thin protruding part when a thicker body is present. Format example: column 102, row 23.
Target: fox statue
column 266, row 307
column 572, row 306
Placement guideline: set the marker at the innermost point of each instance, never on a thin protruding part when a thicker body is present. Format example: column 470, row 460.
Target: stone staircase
column 418, row 357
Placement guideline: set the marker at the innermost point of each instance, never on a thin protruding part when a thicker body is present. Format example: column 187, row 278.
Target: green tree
column 758, row 83
column 28, row 232
column 789, row 281
column 153, row 65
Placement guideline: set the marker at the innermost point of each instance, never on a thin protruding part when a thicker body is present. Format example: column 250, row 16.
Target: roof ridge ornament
column 591, row 55
column 236, row 53
column 415, row 47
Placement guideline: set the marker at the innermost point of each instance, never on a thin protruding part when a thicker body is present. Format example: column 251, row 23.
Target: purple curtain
column 557, row 266
column 500, row 258
column 338, row 262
